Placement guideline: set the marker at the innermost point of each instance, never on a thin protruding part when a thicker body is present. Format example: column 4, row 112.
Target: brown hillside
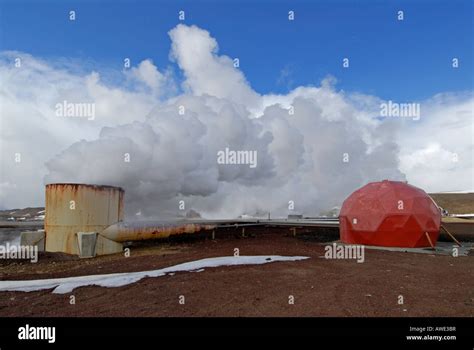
column 455, row 203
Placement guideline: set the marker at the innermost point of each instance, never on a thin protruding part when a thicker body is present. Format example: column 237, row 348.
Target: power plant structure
column 390, row 214
column 88, row 220
column 77, row 212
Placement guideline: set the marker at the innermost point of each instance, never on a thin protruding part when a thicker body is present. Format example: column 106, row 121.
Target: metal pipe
column 137, row 231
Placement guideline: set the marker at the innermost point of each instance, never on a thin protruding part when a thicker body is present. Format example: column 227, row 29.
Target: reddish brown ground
column 430, row 285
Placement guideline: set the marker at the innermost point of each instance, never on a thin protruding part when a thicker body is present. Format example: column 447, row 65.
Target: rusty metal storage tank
column 391, row 214
column 72, row 208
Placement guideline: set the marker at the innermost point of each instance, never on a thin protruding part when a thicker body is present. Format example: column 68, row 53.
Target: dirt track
column 430, row 285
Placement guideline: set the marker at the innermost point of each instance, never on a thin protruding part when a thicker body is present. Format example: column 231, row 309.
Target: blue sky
column 403, row 61
column 409, row 60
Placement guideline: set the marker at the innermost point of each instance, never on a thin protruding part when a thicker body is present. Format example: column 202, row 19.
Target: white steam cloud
column 332, row 143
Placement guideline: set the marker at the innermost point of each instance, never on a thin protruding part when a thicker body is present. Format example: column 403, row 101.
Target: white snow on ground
column 68, row 284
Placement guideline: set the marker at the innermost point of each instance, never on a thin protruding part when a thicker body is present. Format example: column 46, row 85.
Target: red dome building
column 390, row 214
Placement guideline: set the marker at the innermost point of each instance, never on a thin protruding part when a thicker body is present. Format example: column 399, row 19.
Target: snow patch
column 68, row 284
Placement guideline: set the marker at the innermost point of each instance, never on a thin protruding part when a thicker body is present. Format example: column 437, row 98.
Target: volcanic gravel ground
column 431, row 285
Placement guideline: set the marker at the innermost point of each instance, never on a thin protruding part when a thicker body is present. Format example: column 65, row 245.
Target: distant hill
column 455, row 203
column 36, row 213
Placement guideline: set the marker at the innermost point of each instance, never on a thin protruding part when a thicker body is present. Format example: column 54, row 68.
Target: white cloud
column 160, row 84
column 437, row 152
column 207, row 73
column 30, row 127
column 173, row 156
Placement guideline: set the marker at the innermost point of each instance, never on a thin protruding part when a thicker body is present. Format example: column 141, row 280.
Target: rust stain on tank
column 75, row 187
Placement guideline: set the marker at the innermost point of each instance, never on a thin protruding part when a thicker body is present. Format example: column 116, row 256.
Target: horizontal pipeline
column 122, row 231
